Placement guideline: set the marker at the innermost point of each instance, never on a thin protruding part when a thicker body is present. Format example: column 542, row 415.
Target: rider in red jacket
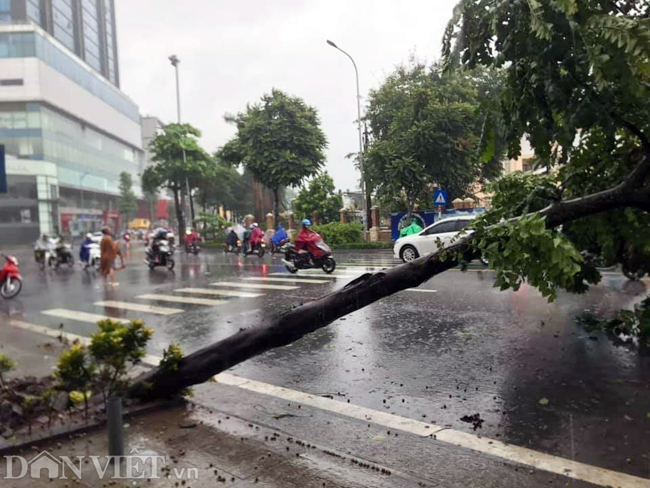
column 308, row 239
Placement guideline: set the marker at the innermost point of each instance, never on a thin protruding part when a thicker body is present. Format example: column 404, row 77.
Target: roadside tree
column 169, row 170
column 127, row 201
column 428, row 129
column 279, row 140
column 319, row 195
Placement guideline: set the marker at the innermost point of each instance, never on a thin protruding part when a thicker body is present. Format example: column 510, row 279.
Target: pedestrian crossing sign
column 440, row 197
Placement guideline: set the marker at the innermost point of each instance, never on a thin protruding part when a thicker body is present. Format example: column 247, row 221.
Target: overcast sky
column 234, row 51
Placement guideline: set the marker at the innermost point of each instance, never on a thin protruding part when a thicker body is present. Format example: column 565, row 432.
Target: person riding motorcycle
column 307, row 242
column 279, row 237
column 158, row 235
column 191, row 238
column 256, row 237
column 84, row 251
column 231, row 239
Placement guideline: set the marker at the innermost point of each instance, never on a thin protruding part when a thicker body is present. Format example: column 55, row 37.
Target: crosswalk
column 216, row 294
column 254, row 286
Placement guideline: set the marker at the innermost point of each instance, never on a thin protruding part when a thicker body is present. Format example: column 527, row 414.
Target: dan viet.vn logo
column 132, row 467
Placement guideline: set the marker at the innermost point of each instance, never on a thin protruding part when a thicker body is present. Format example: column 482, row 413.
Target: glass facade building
column 85, row 27
column 66, row 127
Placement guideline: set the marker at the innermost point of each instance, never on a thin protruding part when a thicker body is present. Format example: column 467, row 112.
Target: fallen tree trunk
column 201, row 365
column 290, row 326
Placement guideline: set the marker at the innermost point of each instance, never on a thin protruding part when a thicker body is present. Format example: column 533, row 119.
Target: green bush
column 336, row 233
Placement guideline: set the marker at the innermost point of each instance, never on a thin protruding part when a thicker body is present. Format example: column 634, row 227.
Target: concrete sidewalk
column 198, row 448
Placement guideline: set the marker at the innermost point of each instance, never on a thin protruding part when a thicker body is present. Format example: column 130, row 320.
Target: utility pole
column 363, row 179
column 175, row 62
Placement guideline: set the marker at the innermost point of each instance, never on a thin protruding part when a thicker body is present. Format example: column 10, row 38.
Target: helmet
column 306, row 222
column 188, row 231
column 89, row 236
column 255, row 224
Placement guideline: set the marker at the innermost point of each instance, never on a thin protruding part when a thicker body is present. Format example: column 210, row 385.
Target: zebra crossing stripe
column 93, row 318
column 333, row 276
column 288, row 280
column 251, row 285
column 138, row 307
column 223, row 293
column 186, row 300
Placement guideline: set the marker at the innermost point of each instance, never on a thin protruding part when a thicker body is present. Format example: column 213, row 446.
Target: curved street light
column 363, row 180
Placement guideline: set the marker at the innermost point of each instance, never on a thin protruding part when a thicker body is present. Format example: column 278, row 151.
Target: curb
column 77, row 427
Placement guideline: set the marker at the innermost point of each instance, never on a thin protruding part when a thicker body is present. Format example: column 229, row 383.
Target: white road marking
column 534, row 459
column 293, row 280
column 138, row 307
column 250, row 285
column 422, row 290
column 80, row 316
column 223, row 293
column 47, row 331
column 521, row 455
column 333, row 276
column 187, row 300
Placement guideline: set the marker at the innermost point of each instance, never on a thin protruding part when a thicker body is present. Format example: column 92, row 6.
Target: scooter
column 94, row 256
column 259, row 249
column 192, row 249
column 233, row 249
column 294, row 260
column 277, row 248
column 11, row 281
column 62, row 254
column 164, row 256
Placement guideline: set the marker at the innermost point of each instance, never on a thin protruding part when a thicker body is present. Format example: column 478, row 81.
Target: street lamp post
column 363, row 180
column 175, row 62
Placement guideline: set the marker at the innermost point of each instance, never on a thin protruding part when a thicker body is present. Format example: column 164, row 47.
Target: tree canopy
column 223, row 185
column 577, row 86
column 318, row 196
column 279, row 140
column 426, row 130
column 127, row 201
column 170, row 171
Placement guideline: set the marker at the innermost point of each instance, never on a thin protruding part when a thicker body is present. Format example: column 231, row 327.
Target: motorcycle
column 163, row 256
column 277, row 248
column 259, row 249
column 192, row 249
column 11, row 281
column 42, row 258
column 94, row 256
column 294, row 260
column 233, row 249
column 61, row 255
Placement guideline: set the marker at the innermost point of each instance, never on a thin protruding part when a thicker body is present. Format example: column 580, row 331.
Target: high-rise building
column 85, row 27
column 68, row 129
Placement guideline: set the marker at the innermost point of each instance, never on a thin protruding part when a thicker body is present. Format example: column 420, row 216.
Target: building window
column 17, row 45
column 63, row 25
column 34, row 10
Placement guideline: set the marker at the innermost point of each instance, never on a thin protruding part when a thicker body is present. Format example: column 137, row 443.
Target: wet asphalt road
column 466, row 348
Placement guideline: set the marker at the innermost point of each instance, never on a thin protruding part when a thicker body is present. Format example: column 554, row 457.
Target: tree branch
column 203, row 364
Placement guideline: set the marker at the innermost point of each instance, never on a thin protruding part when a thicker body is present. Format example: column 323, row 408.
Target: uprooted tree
column 578, row 85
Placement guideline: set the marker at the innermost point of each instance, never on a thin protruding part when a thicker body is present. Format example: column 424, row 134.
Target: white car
column 412, row 247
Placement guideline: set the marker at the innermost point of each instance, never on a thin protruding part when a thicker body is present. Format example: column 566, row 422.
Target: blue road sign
column 440, row 198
